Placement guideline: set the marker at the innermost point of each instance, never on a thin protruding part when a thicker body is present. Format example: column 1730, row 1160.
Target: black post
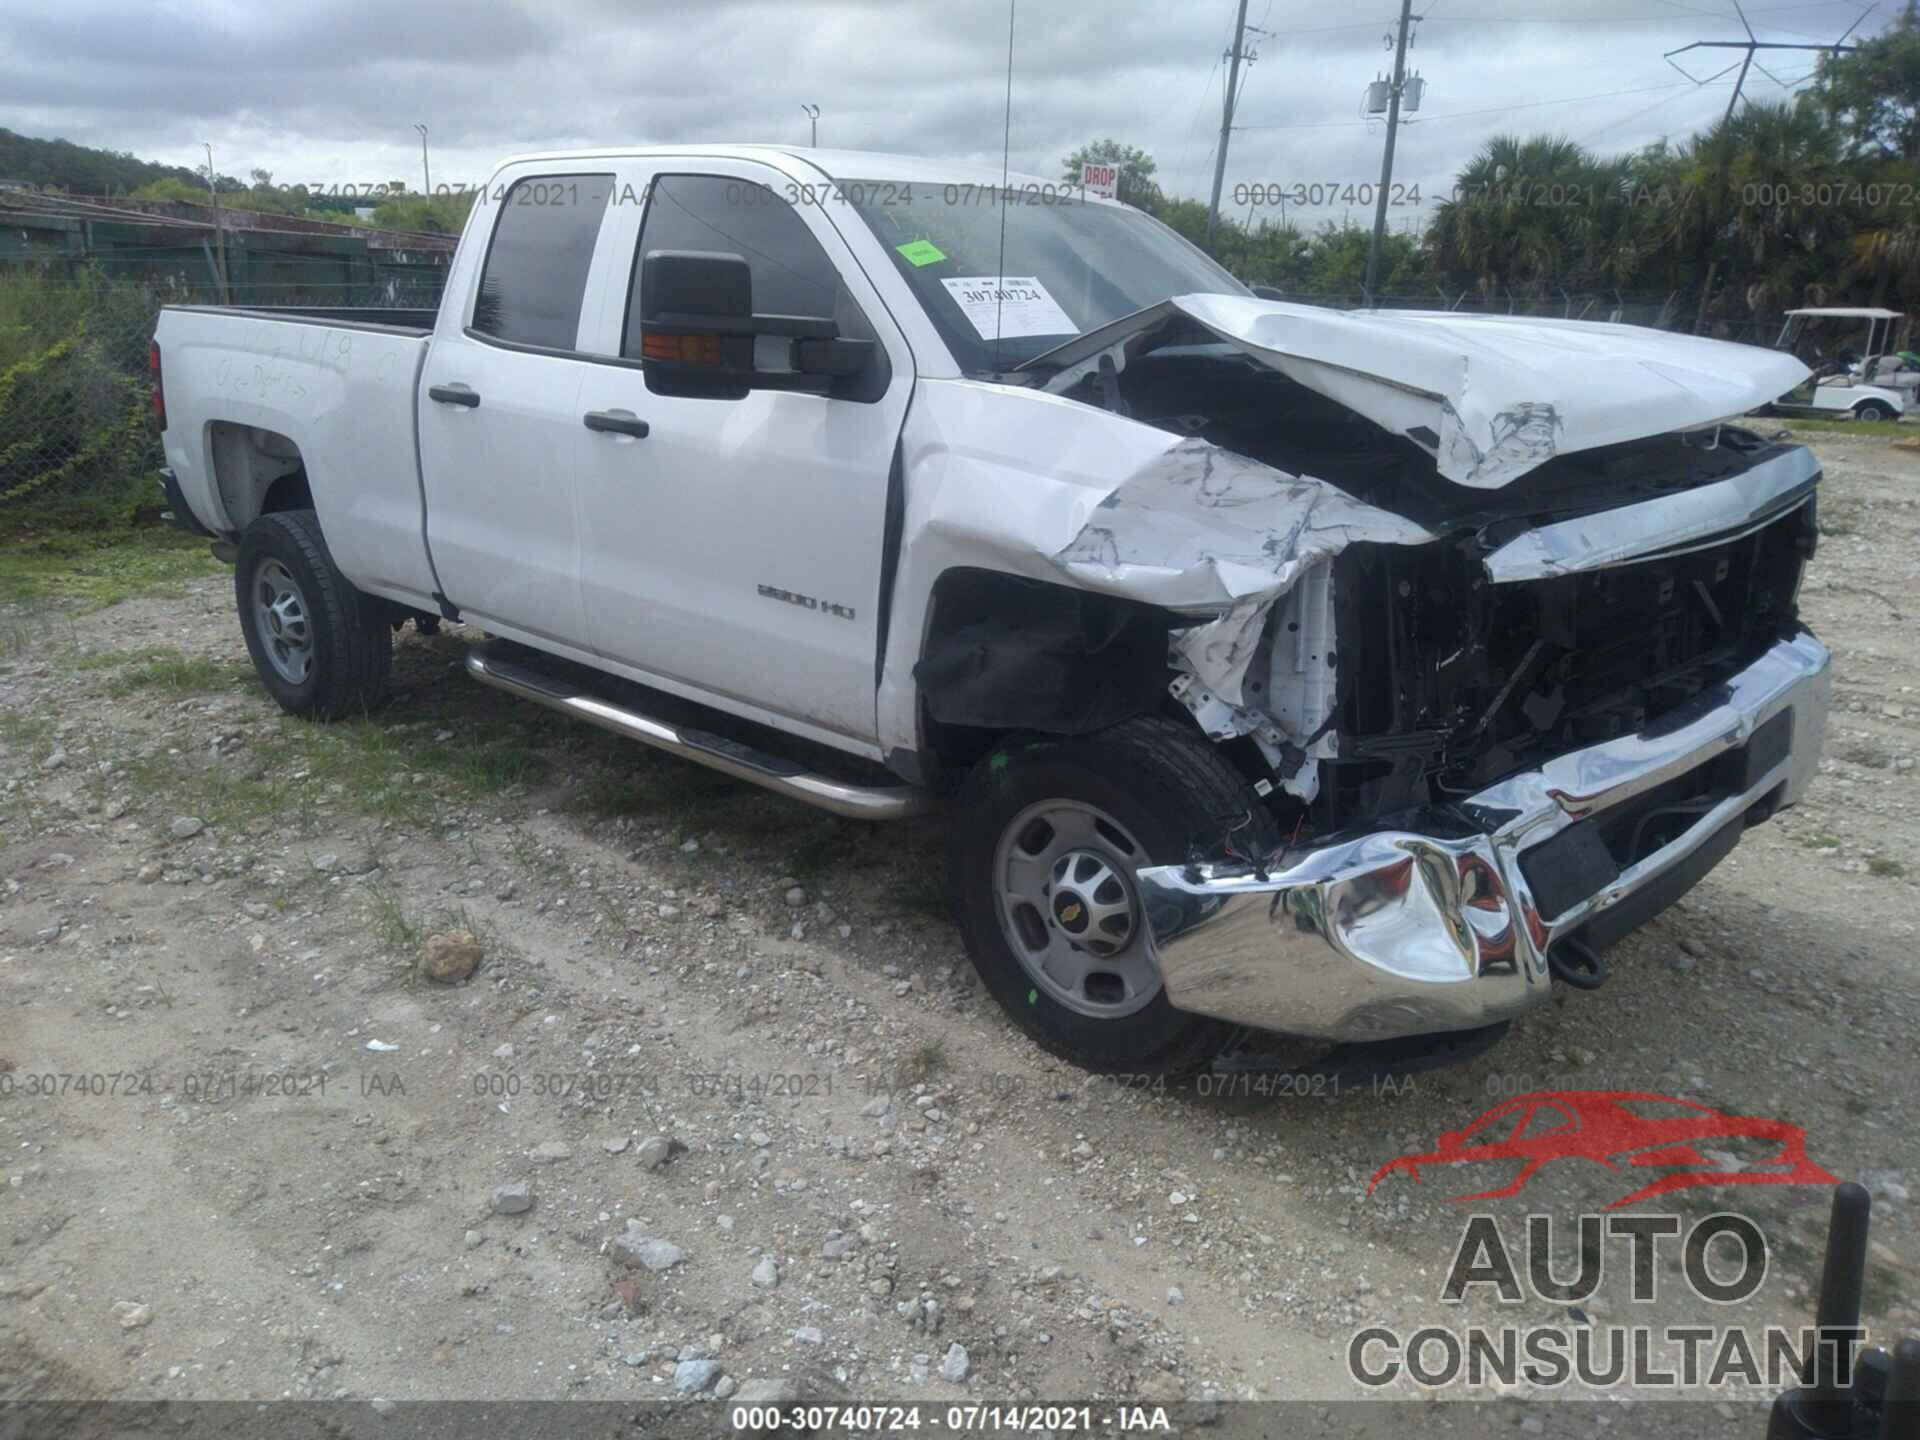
column 1842, row 1282
column 1900, row 1412
column 1824, row 1410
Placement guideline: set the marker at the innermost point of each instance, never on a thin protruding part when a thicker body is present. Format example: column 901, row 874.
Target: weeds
column 828, row 845
column 927, row 1062
column 30, row 733
column 397, row 931
column 924, row 894
column 179, row 676
column 1888, row 869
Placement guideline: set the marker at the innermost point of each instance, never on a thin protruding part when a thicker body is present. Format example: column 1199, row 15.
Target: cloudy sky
column 327, row 91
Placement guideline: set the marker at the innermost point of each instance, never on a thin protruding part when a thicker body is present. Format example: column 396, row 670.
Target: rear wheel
column 1874, row 410
column 1048, row 839
column 321, row 647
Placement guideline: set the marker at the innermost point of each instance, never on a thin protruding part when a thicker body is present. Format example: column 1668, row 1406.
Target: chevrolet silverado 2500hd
column 1348, row 675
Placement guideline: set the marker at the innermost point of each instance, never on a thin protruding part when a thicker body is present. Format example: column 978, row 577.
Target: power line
column 1622, row 19
column 1490, row 110
column 1592, row 135
column 1752, row 45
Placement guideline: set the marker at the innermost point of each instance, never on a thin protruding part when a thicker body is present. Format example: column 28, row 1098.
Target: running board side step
column 716, row 752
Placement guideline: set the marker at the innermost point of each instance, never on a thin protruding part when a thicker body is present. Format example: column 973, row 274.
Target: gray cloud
column 327, row 90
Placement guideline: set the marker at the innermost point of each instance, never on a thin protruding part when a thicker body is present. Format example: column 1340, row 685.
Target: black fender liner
column 1008, row 653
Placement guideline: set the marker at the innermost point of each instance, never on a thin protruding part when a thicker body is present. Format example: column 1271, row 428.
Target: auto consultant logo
column 1723, row 1258
column 1628, row 1131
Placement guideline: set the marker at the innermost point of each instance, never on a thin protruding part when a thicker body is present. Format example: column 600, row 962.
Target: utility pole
column 813, row 125
column 219, row 230
column 1386, row 161
column 426, row 175
column 1226, row 119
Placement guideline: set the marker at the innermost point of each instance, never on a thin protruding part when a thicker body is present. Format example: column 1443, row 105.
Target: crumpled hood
column 1490, row 396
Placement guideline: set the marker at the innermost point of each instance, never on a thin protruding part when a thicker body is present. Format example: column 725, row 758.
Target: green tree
column 1769, row 207
column 1137, row 185
column 171, row 188
column 433, row 215
column 1525, row 215
column 1872, row 93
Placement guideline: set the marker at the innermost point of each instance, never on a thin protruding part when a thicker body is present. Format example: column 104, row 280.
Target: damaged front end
column 1512, row 678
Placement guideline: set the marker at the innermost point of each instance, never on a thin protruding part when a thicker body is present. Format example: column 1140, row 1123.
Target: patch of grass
column 609, row 795
column 1881, row 865
column 97, row 568
column 237, row 793
column 15, row 637
column 925, row 894
column 1819, row 840
column 828, row 845
column 32, row 734
column 88, row 661
column 396, row 929
column 181, row 675
column 1856, row 429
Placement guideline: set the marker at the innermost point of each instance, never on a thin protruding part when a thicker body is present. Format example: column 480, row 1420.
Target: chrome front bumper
column 1445, row 925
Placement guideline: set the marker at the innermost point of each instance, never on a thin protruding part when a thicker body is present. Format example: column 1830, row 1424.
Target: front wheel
column 1048, row 838
column 321, row 647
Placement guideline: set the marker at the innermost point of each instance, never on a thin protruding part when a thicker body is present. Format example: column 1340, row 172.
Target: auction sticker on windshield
column 1012, row 305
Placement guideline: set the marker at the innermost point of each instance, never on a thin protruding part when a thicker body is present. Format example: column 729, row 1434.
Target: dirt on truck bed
column 721, row 1111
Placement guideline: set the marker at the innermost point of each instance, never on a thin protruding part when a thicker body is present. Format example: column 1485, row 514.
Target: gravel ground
column 720, row 1109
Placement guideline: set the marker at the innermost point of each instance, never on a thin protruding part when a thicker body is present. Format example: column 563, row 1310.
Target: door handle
column 454, row 394
column 617, row 422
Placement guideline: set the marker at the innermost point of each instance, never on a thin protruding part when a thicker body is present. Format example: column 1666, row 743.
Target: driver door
column 734, row 551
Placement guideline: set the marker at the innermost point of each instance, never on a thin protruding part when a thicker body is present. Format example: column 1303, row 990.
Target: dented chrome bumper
column 1445, row 924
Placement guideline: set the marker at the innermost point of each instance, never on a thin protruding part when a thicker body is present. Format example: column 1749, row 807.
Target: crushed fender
column 1201, row 528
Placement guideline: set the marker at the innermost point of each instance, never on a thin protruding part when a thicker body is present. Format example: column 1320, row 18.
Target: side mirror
column 700, row 337
column 696, row 323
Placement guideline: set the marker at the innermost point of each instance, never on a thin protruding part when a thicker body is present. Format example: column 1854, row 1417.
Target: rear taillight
column 159, row 389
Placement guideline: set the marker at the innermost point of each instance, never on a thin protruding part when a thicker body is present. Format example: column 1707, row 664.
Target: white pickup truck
column 1345, row 675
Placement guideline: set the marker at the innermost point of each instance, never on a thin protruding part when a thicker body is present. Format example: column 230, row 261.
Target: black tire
column 349, row 641
column 1174, row 793
column 1874, row 410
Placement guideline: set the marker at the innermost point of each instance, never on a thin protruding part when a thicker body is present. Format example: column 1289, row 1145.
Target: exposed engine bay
column 1372, row 664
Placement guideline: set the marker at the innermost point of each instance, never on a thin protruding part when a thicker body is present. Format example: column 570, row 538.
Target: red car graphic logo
column 1620, row 1129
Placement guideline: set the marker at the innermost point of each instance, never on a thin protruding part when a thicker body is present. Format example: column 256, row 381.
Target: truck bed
column 328, row 392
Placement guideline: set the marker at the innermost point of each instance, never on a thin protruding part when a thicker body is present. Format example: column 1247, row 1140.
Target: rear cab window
column 534, row 279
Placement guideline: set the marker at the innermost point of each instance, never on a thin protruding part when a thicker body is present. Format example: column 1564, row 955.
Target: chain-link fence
column 75, row 416
column 76, row 420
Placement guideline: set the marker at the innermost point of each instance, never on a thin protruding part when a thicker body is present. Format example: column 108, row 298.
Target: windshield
column 1071, row 265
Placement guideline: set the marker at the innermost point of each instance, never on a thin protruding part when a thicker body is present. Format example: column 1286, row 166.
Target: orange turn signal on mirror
column 684, row 349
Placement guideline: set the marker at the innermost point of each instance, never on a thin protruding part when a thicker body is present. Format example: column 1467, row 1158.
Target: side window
column 791, row 274
column 535, row 273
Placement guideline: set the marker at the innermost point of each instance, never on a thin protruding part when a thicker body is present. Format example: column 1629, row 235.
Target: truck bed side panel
column 343, row 394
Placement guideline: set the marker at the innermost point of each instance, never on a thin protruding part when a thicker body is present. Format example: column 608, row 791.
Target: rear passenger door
column 737, row 549
column 499, row 406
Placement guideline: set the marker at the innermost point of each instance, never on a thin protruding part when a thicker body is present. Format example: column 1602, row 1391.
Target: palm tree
column 1523, row 215
column 1765, row 205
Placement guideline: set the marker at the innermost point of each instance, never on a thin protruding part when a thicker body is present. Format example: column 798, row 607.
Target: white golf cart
column 1869, row 383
